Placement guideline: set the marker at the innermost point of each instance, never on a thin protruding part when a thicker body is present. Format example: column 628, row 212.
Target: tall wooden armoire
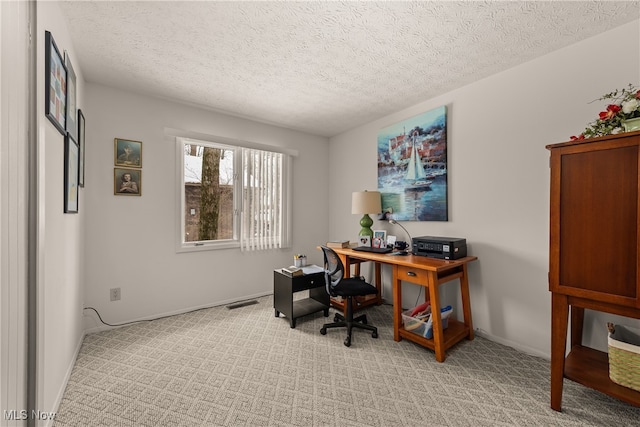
column 593, row 254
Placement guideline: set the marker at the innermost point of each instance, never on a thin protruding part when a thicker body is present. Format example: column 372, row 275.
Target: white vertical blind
column 263, row 216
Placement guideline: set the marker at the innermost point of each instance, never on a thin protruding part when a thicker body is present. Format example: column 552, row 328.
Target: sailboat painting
column 412, row 168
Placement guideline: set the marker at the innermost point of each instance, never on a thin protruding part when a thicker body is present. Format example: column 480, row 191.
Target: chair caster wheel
column 336, row 319
column 323, row 331
column 347, row 342
column 374, row 334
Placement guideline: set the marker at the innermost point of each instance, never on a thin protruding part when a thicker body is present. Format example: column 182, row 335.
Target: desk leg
column 397, row 302
column 559, row 319
column 466, row 301
column 378, row 278
column 438, row 334
column 346, row 262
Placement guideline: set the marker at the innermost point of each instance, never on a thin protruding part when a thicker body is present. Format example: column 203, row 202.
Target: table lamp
column 366, row 202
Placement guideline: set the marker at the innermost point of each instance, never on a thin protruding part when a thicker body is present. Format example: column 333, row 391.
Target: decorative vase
column 631, row 124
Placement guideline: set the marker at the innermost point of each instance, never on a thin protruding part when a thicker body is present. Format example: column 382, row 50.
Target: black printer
column 440, row 247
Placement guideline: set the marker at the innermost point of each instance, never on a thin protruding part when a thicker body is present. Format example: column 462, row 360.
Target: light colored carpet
column 245, row 367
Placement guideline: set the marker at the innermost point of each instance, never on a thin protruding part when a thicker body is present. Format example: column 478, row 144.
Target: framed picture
column 81, row 144
column 391, row 241
column 72, row 109
column 127, row 182
column 71, row 161
column 364, row 241
column 55, row 97
column 128, row 153
column 412, row 168
column 379, row 238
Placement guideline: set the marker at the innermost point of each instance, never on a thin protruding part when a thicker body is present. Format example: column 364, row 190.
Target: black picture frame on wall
column 72, row 107
column 71, row 162
column 81, row 144
column 55, row 98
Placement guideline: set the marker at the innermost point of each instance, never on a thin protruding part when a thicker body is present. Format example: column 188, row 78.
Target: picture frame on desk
column 391, row 241
column 379, row 238
column 364, row 241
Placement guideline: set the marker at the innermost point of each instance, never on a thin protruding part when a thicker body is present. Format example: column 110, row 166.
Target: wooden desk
column 430, row 273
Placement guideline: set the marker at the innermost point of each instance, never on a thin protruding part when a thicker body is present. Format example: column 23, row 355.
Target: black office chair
column 348, row 288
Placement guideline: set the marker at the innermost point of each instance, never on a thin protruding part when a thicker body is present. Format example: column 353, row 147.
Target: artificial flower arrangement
column 624, row 104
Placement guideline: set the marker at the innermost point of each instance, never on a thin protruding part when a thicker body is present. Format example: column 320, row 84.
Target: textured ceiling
column 315, row 66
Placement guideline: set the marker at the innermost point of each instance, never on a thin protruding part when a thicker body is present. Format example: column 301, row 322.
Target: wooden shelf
column 590, row 368
column 455, row 332
column 303, row 307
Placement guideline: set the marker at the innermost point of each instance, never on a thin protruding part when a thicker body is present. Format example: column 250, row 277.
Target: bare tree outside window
column 210, row 194
column 208, row 173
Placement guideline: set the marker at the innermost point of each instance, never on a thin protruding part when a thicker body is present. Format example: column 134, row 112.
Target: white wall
column 130, row 241
column 499, row 178
column 60, row 258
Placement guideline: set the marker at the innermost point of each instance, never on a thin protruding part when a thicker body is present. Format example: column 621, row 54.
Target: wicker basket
column 624, row 356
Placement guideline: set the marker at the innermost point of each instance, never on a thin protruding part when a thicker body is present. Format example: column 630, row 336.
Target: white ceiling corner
column 316, row 66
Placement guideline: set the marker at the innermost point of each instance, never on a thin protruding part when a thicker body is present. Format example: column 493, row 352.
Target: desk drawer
column 412, row 274
column 308, row 281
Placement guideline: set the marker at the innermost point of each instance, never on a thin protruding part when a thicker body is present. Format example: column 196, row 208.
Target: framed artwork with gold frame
column 127, row 182
column 127, row 153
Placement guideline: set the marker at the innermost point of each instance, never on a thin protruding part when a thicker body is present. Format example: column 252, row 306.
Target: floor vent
column 241, row 304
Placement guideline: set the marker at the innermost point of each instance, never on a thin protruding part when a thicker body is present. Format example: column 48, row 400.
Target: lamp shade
column 366, row 202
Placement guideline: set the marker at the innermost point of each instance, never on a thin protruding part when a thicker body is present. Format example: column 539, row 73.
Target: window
column 232, row 196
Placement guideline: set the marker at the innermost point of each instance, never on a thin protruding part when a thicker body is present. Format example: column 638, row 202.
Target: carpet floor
column 245, row 367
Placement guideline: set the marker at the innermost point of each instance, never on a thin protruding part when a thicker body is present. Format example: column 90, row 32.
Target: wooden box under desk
column 430, row 273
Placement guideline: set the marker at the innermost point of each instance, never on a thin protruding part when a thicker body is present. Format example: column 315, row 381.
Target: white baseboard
column 63, row 387
column 512, row 344
column 101, row 327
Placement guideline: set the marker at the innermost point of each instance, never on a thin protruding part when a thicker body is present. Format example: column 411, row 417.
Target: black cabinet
column 284, row 287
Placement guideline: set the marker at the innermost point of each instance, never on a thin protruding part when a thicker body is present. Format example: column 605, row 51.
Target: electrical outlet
column 115, row 294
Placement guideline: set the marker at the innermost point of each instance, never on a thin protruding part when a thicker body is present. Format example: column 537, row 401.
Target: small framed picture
column 391, row 241
column 364, row 241
column 71, row 161
column 81, row 143
column 379, row 237
column 72, row 109
column 127, row 153
column 55, row 99
column 127, row 182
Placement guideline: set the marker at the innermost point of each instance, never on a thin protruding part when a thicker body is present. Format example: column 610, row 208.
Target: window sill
column 209, row 246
